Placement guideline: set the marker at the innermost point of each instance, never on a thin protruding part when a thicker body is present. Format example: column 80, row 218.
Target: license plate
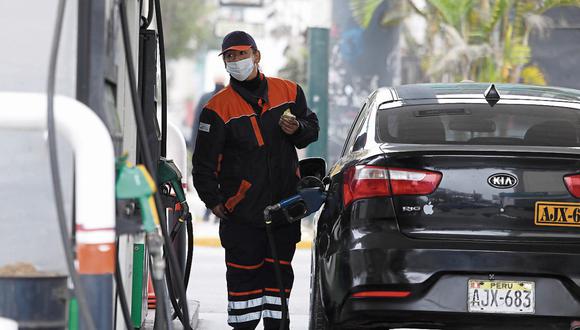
column 507, row 297
column 557, row 214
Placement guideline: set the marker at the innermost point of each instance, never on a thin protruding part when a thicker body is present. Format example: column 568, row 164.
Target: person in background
column 245, row 159
column 219, row 85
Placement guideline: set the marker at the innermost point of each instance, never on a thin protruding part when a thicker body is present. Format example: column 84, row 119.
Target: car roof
column 466, row 90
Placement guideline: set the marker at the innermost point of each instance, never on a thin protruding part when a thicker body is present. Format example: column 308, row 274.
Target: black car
column 453, row 206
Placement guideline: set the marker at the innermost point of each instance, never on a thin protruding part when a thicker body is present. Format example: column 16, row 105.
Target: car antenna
column 491, row 95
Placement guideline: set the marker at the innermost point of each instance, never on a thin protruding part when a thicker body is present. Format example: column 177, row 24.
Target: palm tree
column 481, row 40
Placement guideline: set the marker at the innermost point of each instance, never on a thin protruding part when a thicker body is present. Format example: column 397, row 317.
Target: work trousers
column 253, row 291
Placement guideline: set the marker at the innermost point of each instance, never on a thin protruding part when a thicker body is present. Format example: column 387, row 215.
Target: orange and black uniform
column 244, row 160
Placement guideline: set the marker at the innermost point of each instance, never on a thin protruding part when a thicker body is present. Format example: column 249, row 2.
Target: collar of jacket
column 256, row 99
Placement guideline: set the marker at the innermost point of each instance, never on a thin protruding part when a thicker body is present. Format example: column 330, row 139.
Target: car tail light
column 413, row 182
column 366, row 181
column 382, row 294
column 573, row 184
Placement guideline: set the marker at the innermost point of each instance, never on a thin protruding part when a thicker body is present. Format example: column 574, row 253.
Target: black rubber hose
column 55, row 174
column 176, row 229
column 189, row 260
column 170, row 278
column 121, row 292
column 138, row 112
column 171, row 291
column 278, row 273
column 163, row 151
column 149, row 14
column 143, row 18
column 174, row 302
column 159, row 21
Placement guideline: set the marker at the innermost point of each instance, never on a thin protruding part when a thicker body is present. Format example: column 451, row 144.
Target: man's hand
column 289, row 124
column 220, row 211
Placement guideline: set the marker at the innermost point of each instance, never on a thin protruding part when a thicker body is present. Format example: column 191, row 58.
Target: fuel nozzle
column 169, row 174
column 307, row 201
column 293, row 209
column 135, row 183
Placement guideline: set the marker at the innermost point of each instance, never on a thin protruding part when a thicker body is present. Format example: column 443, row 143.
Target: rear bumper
column 437, row 280
column 366, row 319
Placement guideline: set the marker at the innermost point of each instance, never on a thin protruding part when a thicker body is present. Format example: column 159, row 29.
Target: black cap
column 238, row 40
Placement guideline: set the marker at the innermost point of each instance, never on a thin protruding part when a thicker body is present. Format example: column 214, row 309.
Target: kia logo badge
column 502, row 180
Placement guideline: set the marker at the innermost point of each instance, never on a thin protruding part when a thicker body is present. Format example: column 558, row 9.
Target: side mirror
column 315, row 167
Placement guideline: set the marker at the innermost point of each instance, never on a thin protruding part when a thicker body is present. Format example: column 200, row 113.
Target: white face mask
column 241, row 69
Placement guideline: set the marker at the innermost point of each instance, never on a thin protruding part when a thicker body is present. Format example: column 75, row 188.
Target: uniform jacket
column 242, row 157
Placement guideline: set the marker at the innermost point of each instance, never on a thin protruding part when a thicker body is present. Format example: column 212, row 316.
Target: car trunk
column 476, row 198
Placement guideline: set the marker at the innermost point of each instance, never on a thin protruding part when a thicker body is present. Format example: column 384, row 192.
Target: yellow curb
column 207, row 241
column 215, row 242
column 304, row 245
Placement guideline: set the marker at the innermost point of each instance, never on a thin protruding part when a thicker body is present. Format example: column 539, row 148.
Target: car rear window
column 480, row 124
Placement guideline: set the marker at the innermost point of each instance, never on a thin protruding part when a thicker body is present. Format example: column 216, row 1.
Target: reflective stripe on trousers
column 255, row 316
column 256, row 302
column 232, row 305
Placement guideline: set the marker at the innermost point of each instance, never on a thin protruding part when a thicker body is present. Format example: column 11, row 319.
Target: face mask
column 241, row 69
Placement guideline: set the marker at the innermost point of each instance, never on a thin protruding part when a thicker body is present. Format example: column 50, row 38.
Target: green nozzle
column 136, row 183
column 167, row 172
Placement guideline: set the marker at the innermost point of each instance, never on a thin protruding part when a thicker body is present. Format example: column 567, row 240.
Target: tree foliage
column 481, row 40
column 186, row 26
column 296, row 55
column 363, row 10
